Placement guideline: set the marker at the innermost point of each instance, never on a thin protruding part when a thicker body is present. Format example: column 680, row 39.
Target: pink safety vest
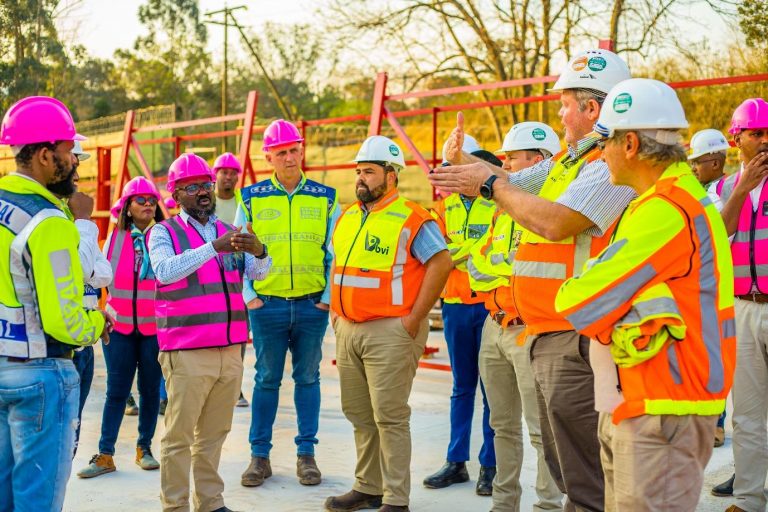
column 750, row 242
column 206, row 308
column 131, row 300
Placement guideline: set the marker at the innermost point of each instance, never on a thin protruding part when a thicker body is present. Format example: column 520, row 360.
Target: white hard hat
column 643, row 104
column 470, row 146
column 77, row 150
column 707, row 141
column 378, row 148
column 531, row 135
column 598, row 70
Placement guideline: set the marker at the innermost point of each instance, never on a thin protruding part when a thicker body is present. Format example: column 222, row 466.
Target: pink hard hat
column 227, row 161
column 279, row 133
column 138, row 186
column 750, row 115
column 37, row 119
column 170, row 203
column 187, row 165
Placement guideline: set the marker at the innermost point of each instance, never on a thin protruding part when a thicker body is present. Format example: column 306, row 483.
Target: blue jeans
column 279, row 326
column 84, row 365
column 38, row 415
column 463, row 327
column 124, row 354
column 721, row 420
column 163, row 391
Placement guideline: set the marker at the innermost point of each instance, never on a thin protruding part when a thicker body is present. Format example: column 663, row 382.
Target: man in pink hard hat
column 41, row 309
column 288, row 310
column 743, row 200
column 199, row 264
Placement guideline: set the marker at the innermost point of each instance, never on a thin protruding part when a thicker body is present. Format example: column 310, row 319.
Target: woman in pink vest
column 133, row 343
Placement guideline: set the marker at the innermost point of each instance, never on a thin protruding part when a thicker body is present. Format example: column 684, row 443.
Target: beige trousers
column 203, row 386
column 377, row 361
column 655, row 463
column 750, row 405
column 505, row 368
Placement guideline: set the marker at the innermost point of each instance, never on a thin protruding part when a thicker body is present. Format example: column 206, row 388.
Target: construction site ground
column 132, row 489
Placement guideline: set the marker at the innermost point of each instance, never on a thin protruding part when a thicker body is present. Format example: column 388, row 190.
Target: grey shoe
column 307, row 470
column 258, row 470
column 131, row 409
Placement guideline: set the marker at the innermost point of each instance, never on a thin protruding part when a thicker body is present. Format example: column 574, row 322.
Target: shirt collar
column 280, row 186
column 582, row 147
column 187, row 217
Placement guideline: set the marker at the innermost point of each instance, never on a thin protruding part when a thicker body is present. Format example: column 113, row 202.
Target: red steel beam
column 447, row 91
column 245, row 140
column 122, row 169
column 189, row 124
column 407, row 141
column 148, row 174
column 379, row 102
column 719, row 81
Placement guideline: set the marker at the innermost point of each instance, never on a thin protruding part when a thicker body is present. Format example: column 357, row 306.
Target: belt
column 499, row 316
column 292, row 299
column 64, row 355
column 759, row 298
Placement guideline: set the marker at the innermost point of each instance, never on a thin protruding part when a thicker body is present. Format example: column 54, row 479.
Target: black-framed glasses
column 141, row 200
column 700, row 162
column 601, row 144
column 195, row 188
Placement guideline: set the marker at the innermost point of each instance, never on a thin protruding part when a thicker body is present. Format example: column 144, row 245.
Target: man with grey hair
column 567, row 208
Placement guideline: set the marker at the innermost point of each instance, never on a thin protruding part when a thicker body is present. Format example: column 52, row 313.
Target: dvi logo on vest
column 372, row 244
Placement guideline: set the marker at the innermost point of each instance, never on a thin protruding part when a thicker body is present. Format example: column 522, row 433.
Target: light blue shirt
column 170, row 267
column 240, row 220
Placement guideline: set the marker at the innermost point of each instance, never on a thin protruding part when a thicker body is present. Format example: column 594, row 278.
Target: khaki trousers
column 377, row 361
column 203, row 386
column 505, row 368
column 566, row 400
column 655, row 462
column 750, row 405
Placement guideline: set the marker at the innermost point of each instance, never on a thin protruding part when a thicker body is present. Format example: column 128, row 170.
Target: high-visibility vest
column 463, row 228
column 374, row 274
column 692, row 375
column 294, row 229
column 41, row 278
column 131, row 301
column 541, row 265
column 750, row 242
column 206, row 308
column 490, row 265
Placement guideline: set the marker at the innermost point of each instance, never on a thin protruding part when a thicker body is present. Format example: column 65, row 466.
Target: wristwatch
column 486, row 189
column 263, row 254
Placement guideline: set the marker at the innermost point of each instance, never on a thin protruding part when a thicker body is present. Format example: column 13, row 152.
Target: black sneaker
column 725, row 489
column 451, row 473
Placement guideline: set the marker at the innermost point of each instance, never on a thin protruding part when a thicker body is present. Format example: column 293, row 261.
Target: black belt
column 292, row 299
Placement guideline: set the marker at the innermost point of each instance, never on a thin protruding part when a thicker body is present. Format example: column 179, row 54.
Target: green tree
column 753, row 18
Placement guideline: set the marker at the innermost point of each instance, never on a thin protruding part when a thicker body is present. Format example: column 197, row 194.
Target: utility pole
column 227, row 12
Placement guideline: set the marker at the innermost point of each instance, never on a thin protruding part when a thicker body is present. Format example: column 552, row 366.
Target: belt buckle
column 498, row 317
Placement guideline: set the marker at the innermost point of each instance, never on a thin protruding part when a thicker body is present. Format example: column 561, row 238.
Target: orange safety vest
column 541, row 266
column 374, row 274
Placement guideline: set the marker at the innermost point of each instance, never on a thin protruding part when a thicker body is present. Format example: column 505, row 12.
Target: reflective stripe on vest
column 375, row 275
column 206, row 308
column 131, row 301
column 541, row 266
column 21, row 332
column 749, row 247
column 294, row 228
column 462, row 225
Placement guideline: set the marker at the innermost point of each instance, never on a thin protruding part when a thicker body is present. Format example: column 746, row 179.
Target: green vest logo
column 372, row 244
column 622, row 103
column 393, row 150
column 538, row 134
column 596, row 64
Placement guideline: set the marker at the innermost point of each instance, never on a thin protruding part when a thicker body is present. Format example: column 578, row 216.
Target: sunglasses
column 141, row 200
column 195, row 188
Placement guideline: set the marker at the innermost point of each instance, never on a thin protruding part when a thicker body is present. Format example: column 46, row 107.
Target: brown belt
column 760, row 298
column 499, row 316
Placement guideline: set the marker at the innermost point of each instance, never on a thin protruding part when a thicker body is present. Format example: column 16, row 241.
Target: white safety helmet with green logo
column 707, row 141
column 531, row 135
column 598, row 70
column 642, row 104
column 379, row 148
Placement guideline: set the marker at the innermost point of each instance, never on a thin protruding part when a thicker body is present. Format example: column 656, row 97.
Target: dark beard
column 65, row 185
column 202, row 212
column 369, row 196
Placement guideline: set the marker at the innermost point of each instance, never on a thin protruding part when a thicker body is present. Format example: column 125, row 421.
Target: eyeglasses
column 700, row 162
column 141, row 200
column 601, row 144
column 195, row 188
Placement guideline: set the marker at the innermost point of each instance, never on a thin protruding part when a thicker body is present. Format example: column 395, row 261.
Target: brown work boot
column 100, row 464
column 258, row 471
column 307, row 470
column 734, row 508
column 394, row 508
column 145, row 460
column 351, row 501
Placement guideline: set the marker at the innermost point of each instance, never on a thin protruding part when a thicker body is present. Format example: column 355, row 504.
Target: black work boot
column 725, row 489
column 485, row 481
column 394, row 508
column 351, row 501
column 451, row 473
column 258, row 470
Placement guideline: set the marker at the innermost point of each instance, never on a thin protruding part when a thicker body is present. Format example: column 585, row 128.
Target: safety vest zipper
column 290, row 239
column 135, row 301
column 344, row 268
column 752, row 268
column 226, row 297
